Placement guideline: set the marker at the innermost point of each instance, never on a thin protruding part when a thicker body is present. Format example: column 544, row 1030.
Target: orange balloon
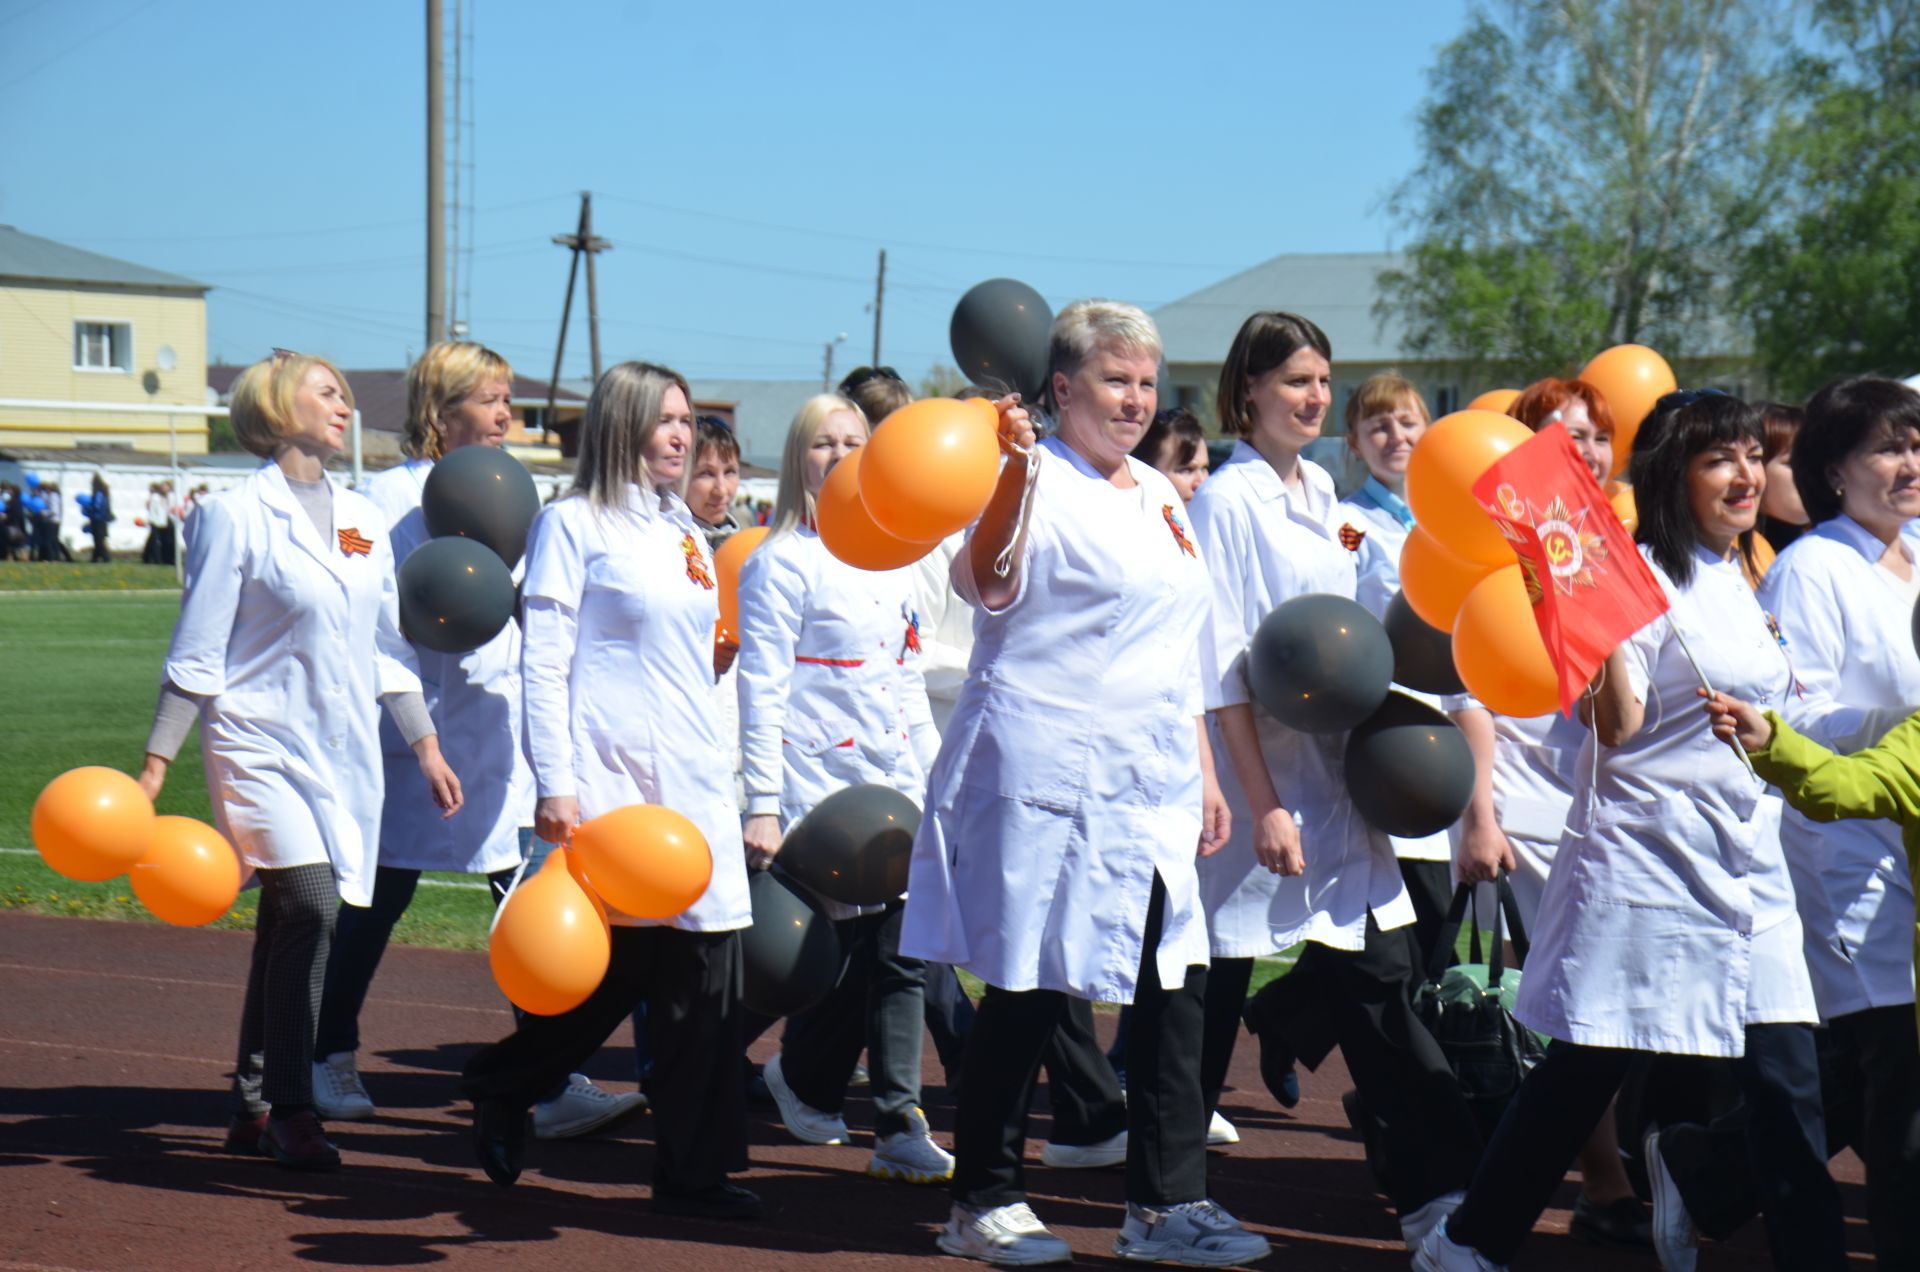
column 1497, row 648
column 190, row 876
column 92, row 823
column 930, row 469
column 1631, row 378
column 550, row 948
column 1495, row 400
column 1620, row 496
column 645, row 860
column 849, row 531
column 726, row 570
column 1435, row 580
column 1447, row 461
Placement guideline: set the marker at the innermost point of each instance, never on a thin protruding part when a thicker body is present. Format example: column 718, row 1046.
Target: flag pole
column 1708, row 686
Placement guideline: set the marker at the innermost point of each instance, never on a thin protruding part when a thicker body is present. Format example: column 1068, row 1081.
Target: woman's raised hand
column 1016, row 426
column 1740, row 723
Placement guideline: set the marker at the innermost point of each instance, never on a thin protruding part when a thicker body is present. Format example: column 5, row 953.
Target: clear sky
column 747, row 160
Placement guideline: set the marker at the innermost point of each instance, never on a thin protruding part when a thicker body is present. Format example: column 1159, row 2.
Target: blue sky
column 746, row 160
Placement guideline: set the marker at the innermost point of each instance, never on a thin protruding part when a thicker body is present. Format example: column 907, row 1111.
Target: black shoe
column 716, row 1201
column 299, row 1142
column 757, row 1093
column 499, row 1139
column 1624, row 1222
column 1276, row 1056
column 244, row 1134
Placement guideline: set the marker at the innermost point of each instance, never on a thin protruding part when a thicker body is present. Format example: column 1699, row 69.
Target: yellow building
column 77, row 327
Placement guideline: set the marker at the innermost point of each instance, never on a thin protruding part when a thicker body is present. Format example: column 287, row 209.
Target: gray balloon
column 855, row 846
column 999, row 335
column 790, row 957
column 1320, row 663
column 1422, row 653
column 1409, row 770
column 455, row 595
column 483, row 494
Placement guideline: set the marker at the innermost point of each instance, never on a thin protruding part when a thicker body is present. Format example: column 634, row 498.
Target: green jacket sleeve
column 1882, row 781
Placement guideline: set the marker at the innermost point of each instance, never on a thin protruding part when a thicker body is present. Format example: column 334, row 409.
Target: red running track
column 115, row 1039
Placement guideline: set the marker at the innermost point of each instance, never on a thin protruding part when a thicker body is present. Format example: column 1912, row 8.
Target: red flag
column 1589, row 585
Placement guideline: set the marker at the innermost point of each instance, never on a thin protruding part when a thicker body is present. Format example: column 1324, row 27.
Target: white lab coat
column 830, row 687
column 292, row 641
column 946, row 633
column 1668, row 922
column 617, row 672
column 1070, row 773
column 474, row 699
column 1375, row 589
column 1266, row 544
column 1847, row 625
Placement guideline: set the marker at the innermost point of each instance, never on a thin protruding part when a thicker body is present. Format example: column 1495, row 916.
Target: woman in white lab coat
column 1303, row 865
column 617, row 669
column 830, row 697
column 1072, row 790
column 1843, row 593
column 288, row 641
column 1668, row 922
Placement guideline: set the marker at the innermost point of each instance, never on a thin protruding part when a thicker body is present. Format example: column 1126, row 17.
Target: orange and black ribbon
column 353, row 543
column 1350, row 538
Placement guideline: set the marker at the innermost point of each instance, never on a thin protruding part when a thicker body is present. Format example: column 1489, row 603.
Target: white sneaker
column 911, row 1156
column 1221, row 1132
column 1196, row 1234
column 1676, row 1242
column 582, row 1109
column 338, row 1094
column 1010, row 1236
column 1111, row 1151
column 1416, row 1224
column 804, row 1122
column 1439, row 1253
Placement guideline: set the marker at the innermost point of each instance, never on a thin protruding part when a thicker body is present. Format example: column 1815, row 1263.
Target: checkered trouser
column 290, row 942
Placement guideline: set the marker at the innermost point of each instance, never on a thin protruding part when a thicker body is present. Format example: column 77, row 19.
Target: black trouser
column 1166, row 1120
column 1227, row 981
column 99, row 532
column 1359, row 1000
column 691, row 984
column 1085, row 1096
column 1430, row 888
column 290, row 935
column 360, row 936
column 949, row 1015
column 1564, row 1098
column 1877, row 1055
column 877, row 1003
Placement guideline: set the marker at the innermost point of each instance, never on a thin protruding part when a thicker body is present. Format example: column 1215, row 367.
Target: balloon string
column 501, row 909
column 1003, row 564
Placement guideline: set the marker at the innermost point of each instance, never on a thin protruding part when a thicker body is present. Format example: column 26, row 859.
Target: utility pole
column 581, row 243
column 436, row 179
column 879, row 302
column 826, row 372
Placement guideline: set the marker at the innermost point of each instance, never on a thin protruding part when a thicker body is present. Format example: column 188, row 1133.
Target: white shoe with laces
column 1676, row 1242
column 1221, row 1132
column 1111, row 1151
column 1008, row 1236
column 1416, row 1224
column 804, row 1122
column 911, row 1156
column 582, row 1109
column 338, row 1093
column 1195, row 1234
column 1439, row 1253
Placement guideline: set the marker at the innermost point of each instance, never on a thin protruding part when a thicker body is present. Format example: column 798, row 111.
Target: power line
column 410, row 222
column 79, row 43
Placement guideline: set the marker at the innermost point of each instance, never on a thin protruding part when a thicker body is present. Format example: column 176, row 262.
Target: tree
column 941, row 380
column 1833, row 286
column 1590, row 171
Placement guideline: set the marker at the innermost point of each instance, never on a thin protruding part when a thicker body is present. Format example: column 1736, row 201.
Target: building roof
column 30, row 257
column 381, row 393
column 1337, row 290
column 762, row 411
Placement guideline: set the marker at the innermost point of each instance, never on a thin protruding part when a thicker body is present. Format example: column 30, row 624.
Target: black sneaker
column 499, row 1139
column 1625, row 1222
column 716, row 1201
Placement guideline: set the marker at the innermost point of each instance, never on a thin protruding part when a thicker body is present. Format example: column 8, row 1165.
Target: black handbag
column 1468, row 1008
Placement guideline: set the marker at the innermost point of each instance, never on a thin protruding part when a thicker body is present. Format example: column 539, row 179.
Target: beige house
column 77, row 327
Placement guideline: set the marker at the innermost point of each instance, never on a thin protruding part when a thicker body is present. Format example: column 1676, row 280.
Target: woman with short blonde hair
column 438, row 382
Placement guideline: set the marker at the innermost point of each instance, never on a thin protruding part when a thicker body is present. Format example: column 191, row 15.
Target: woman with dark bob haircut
column 1668, row 922
column 1844, row 593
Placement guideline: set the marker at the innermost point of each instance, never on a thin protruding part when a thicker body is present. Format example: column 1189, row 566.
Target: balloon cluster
column 551, row 941
column 94, row 824
column 1457, row 572
column 456, row 590
column 1322, row 664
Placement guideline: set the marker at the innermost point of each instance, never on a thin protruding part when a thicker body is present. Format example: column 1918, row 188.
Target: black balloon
column 855, row 846
column 790, row 957
column 1422, row 653
column 1409, row 769
column 455, row 595
column 1320, row 663
column 483, row 494
column 999, row 336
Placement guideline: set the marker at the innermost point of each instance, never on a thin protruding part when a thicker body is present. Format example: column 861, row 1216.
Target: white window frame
column 120, row 359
